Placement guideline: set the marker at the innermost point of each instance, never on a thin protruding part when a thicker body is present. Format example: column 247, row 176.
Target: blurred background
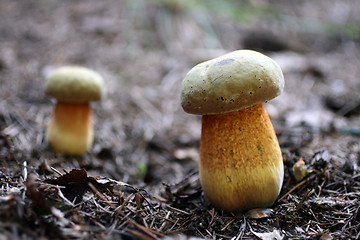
column 143, row 49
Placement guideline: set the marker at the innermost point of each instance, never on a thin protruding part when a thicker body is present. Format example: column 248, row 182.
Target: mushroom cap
column 231, row 82
column 75, row 84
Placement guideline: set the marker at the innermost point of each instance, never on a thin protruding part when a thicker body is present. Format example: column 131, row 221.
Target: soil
column 140, row 178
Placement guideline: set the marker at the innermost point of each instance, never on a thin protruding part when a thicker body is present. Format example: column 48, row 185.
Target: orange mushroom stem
column 70, row 129
column 241, row 165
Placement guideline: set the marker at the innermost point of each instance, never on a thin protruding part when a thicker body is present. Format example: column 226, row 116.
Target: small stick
column 163, row 225
column 307, row 194
column 293, row 189
column 178, row 210
column 55, row 170
column 99, row 194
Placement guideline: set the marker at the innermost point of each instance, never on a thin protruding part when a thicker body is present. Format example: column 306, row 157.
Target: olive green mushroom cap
column 75, row 84
column 231, row 82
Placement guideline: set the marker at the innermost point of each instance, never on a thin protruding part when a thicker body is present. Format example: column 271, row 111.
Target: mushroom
column 70, row 129
column 241, row 165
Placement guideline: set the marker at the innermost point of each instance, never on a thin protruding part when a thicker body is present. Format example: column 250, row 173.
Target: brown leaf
column 38, row 199
column 76, row 183
column 33, row 193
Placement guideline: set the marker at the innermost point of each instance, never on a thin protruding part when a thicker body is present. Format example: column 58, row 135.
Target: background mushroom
column 70, row 129
column 241, row 165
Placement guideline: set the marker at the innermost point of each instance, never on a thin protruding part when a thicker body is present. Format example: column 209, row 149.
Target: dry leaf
column 326, row 236
column 39, row 200
column 33, row 193
column 258, row 213
column 274, row 235
column 76, row 183
column 300, row 170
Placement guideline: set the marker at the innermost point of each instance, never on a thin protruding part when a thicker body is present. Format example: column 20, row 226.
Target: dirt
column 140, row 179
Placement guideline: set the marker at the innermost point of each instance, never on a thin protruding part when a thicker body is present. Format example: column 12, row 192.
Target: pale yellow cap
column 75, row 84
column 231, row 82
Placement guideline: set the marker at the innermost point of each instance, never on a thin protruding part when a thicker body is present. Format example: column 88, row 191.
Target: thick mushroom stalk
column 241, row 165
column 70, row 129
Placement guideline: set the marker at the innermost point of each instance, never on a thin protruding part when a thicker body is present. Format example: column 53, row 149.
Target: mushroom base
column 70, row 129
column 241, row 165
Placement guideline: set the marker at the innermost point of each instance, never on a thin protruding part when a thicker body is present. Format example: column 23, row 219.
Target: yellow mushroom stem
column 241, row 165
column 70, row 129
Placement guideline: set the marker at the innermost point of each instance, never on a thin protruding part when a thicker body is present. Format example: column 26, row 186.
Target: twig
column 163, row 225
column 178, row 210
column 294, row 188
column 55, row 170
column 100, row 195
column 148, row 231
column 101, row 207
column 213, row 215
column 307, row 194
column 121, row 207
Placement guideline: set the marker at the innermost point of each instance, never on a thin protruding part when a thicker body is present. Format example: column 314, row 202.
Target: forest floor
column 140, row 179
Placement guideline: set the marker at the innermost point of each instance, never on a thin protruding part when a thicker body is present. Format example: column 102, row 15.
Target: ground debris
column 76, row 183
column 300, row 170
column 274, row 235
column 326, row 202
column 259, row 213
column 332, row 202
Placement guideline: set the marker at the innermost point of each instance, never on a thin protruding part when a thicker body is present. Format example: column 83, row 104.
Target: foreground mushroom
column 70, row 129
column 241, row 165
